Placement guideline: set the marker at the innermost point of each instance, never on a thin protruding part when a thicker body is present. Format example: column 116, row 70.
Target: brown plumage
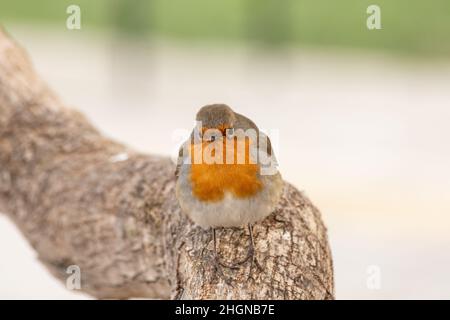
column 220, row 193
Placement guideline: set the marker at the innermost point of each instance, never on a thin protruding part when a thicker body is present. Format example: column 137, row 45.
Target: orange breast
column 211, row 181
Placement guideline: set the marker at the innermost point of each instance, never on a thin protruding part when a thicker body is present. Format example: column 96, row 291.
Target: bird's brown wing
column 181, row 151
column 179, row 162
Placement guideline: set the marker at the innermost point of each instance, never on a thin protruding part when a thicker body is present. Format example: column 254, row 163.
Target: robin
column 226, row 173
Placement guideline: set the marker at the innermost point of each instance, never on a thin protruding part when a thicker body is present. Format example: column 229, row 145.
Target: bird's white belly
column 229, row 212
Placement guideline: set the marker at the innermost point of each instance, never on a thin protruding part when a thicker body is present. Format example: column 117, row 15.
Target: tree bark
column 82, row 199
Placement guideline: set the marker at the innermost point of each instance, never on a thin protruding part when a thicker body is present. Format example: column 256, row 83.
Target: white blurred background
column 365, row 135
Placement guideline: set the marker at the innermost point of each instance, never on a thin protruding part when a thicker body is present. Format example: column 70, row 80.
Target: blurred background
column 363, row 115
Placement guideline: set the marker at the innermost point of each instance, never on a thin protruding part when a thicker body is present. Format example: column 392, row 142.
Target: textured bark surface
column 82, row 199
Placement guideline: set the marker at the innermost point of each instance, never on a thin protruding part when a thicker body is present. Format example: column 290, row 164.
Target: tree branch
column 116, row 217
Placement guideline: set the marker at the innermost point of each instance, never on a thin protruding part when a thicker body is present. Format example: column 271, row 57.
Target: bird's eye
column 211, row 138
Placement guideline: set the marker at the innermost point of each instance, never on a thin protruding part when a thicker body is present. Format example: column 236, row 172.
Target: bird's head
column 218, row 117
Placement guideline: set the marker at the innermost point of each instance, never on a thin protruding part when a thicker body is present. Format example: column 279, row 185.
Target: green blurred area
column 413, row 27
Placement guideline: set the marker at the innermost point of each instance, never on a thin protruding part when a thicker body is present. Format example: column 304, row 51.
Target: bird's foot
column 251, row 256
column 254, row 260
